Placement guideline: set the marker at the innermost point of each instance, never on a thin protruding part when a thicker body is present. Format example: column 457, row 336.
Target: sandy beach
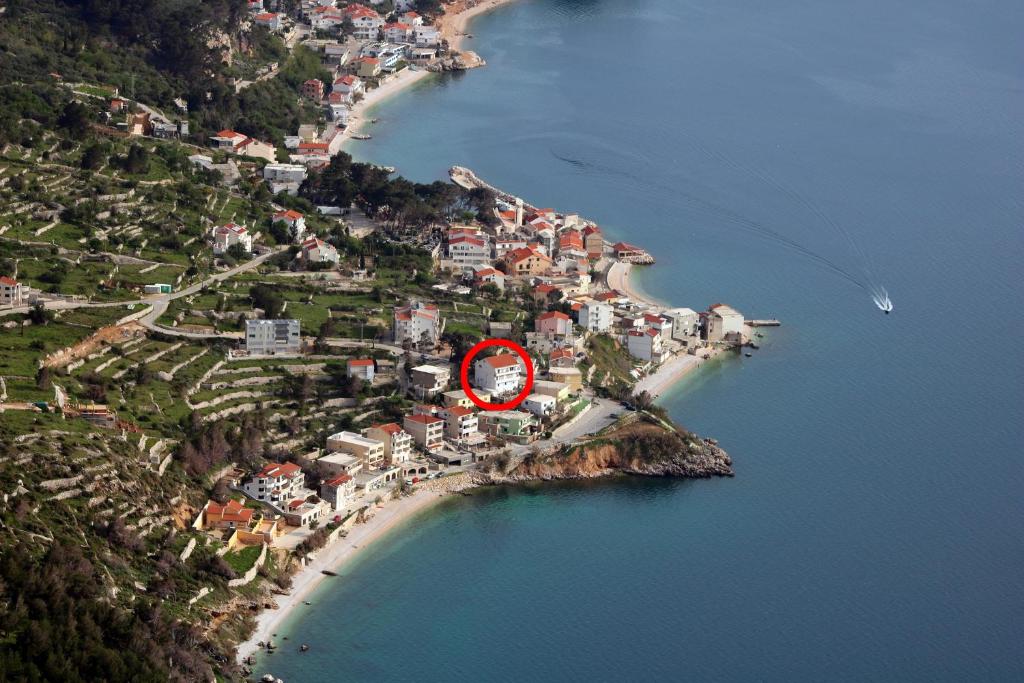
column 392, row 86
column 619, row 280
column 385, row 518
column 453, row 24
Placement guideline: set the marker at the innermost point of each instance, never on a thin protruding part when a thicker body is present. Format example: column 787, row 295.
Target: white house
column 350, row 84
column 284, row 172
column 315, row 250
column 397, row 32
column 644, row 344
column 270, row 337
column 460, row 424
column 553, row 322
column 366, row 21
column 426, row 36
column 277, row 483
column 226, row 236
column 540, row 405
column 270, row 20
column 724, row 323
column 489, row 276
column 295, row 221
column 338, row 491
column 499, row 375
column 596, row 317
column 416, row 322
column 12, row 293
column 362, row 368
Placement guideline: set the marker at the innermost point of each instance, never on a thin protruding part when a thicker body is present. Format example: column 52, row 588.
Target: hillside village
column 224, row 352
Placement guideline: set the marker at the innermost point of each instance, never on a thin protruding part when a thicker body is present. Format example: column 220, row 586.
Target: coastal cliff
column 648, row 447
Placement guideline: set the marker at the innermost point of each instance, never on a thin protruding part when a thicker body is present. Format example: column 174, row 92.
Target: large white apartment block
column 369, row 451
column 271, row 337
column 226, row 236
column 499, row 375
column 397, row 442
column 417, row 322
column 277, row 484
column 595, row 317
column 465, row 251
column 287, row 173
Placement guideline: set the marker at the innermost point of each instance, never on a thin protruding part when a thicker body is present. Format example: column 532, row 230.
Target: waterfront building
column 271, row 337
column 427, row 431
column 723, row 323
column 338, row 491
column 684, row 323
column 514, row 425
column 369, row 451
column 644, row 344
column 275, row 484
column 397, row 442
column 593, row 241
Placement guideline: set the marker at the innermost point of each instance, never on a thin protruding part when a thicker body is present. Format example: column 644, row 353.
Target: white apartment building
column 369, row 451
column 427, row 431
column 460, row 424
column 12, row 293
column 540, row 405
column 416, row 322
column 724, row 322
column 644, row 344
column 277, row 484
column 397, row 442
column 596, row 317
column 428, row 380
column 466, row 252
column 271, row 337
column 685, row 322
column 498, row 374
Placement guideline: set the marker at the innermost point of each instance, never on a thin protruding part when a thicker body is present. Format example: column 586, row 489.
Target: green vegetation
column 242, row 560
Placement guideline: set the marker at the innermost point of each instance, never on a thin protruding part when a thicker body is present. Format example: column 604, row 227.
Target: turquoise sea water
column 875, row 528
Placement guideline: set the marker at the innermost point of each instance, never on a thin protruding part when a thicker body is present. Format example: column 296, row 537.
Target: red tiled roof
column 290, row 214
column 389, row 427
column 277, row 469
column 7, row 281
column 423, row 419
column 558, row 315
column 228, row 133
column 459, row 411
column 487, row 271
column 265, row 16
column 561, row 353
column 502, row 361
column 360, row 362
column 232, row 511
column 338, row 480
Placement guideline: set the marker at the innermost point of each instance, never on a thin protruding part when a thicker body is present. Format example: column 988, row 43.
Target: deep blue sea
column 768, row 153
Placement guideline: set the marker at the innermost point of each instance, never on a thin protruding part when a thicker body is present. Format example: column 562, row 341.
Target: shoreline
column 453, row 29
column 453, row 26
column 333, row 557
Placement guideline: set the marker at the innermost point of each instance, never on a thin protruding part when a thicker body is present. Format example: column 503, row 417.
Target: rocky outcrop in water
column 458, row 62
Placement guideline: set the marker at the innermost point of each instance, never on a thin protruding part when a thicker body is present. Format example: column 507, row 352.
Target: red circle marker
column 487, row 405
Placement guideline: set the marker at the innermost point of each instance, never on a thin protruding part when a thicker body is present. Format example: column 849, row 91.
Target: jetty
column 769, row 322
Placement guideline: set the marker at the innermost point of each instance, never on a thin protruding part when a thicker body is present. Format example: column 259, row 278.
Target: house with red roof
column 366, row 21
column 338, row 491
column 270, row 20
column 397, row 442
column 397, row 32
column 418, row 322
column 489, row 276
column 349, row 84
column 553, row 322
column 460, row 424
column 12, row 293
column 226, row 236
column 231, row 515
column 593, row 241
column 526, row 262
column 366, row 67
column 362, row 368
column 466, row 251
column 276, row 484
column 499, row 375
column 562, row 358
column 644, row 344
column 295, row 221
column 427, row 431
column 313, row 89
column 315, row 250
